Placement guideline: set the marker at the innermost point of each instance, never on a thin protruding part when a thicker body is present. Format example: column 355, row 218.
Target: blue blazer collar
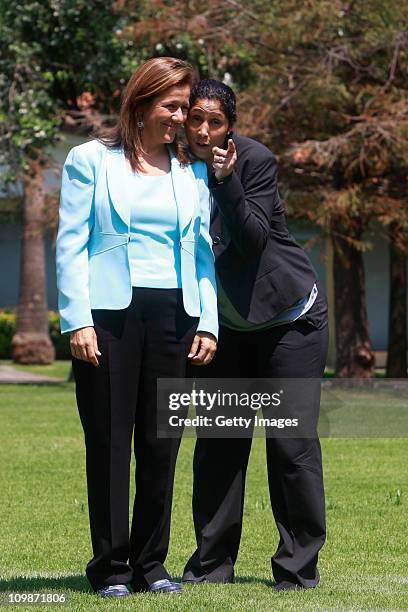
column 122, row 196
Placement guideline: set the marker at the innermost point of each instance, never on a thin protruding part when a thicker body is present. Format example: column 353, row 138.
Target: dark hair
column 152, row 78
column 216, row 90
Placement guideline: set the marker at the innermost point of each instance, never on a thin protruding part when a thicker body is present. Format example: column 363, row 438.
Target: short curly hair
column 216, row 90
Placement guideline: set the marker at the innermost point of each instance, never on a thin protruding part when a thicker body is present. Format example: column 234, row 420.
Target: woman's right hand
column 224, row 160
column 84, row 345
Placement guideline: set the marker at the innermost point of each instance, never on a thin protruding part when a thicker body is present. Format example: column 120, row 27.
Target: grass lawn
column 44, row 539
column 61, row 369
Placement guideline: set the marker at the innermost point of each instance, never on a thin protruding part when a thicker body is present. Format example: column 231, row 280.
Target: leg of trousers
column 295, row 473
column 294, row 465
column 148, row 340
column 219, row 470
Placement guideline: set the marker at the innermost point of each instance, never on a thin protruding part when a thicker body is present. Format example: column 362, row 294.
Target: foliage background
column 322, row 82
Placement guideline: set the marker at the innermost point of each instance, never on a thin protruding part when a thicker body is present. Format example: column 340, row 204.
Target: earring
column 140, row 124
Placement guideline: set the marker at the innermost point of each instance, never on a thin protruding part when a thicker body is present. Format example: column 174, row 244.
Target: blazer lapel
column 117, row 175
column 116, row 179
column 184, row 193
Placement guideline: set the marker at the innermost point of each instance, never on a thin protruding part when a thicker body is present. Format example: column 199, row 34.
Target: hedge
column 8, row 329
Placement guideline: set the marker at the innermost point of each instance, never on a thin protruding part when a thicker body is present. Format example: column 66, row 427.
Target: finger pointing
column 231, row 146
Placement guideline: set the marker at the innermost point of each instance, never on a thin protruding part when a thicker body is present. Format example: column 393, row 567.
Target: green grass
column 61, row 369
column 44, row 539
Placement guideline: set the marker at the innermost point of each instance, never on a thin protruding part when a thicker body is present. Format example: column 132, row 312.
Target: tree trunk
column 354, row 355
column 32, row 343
column 397, row 318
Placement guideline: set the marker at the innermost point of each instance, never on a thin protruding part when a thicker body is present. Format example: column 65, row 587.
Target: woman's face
column 164, row 116
column 206, row 127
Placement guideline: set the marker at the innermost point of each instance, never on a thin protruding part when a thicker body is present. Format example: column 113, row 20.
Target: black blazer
column 261, row 267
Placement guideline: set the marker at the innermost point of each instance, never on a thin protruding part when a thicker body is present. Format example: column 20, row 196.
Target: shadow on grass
column 33, row 585
column 23, row 584
column 254, row 580
column 237, row 580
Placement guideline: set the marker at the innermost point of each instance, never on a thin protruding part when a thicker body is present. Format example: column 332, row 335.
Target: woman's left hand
column 203, row 349
column 224, row 160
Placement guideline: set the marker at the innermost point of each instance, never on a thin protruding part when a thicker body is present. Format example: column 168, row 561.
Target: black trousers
column 148, row 340
column 295, row 476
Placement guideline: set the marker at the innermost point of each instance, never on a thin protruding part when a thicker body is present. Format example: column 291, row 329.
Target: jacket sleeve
column 75, row 225
column 205, row 259
column 247, row 206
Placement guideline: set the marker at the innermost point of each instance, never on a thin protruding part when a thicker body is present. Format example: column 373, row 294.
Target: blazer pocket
column 101, row 242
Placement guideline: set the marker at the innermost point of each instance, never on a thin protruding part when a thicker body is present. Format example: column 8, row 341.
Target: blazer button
column 216, row 240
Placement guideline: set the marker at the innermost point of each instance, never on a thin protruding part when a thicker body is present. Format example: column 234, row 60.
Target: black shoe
column 165, row 586
column 114, row 590
column 285, row 585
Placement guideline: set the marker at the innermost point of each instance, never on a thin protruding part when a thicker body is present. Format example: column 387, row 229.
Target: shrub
column 8, row 328
column 7, row 331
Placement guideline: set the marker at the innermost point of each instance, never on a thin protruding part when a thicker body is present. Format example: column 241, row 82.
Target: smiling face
column 206, row 127
column 164, row 116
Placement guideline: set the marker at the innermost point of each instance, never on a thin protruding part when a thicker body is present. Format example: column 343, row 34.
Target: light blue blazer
column 92, row 245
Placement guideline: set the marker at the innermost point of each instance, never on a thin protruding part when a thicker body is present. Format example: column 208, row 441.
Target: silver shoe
column 165, row 586
column 114, row 590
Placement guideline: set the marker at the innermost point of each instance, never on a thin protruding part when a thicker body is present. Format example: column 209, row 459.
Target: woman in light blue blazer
column 137, row 292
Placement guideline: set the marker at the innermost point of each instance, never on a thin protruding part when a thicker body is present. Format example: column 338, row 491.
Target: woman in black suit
column 273, row 324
